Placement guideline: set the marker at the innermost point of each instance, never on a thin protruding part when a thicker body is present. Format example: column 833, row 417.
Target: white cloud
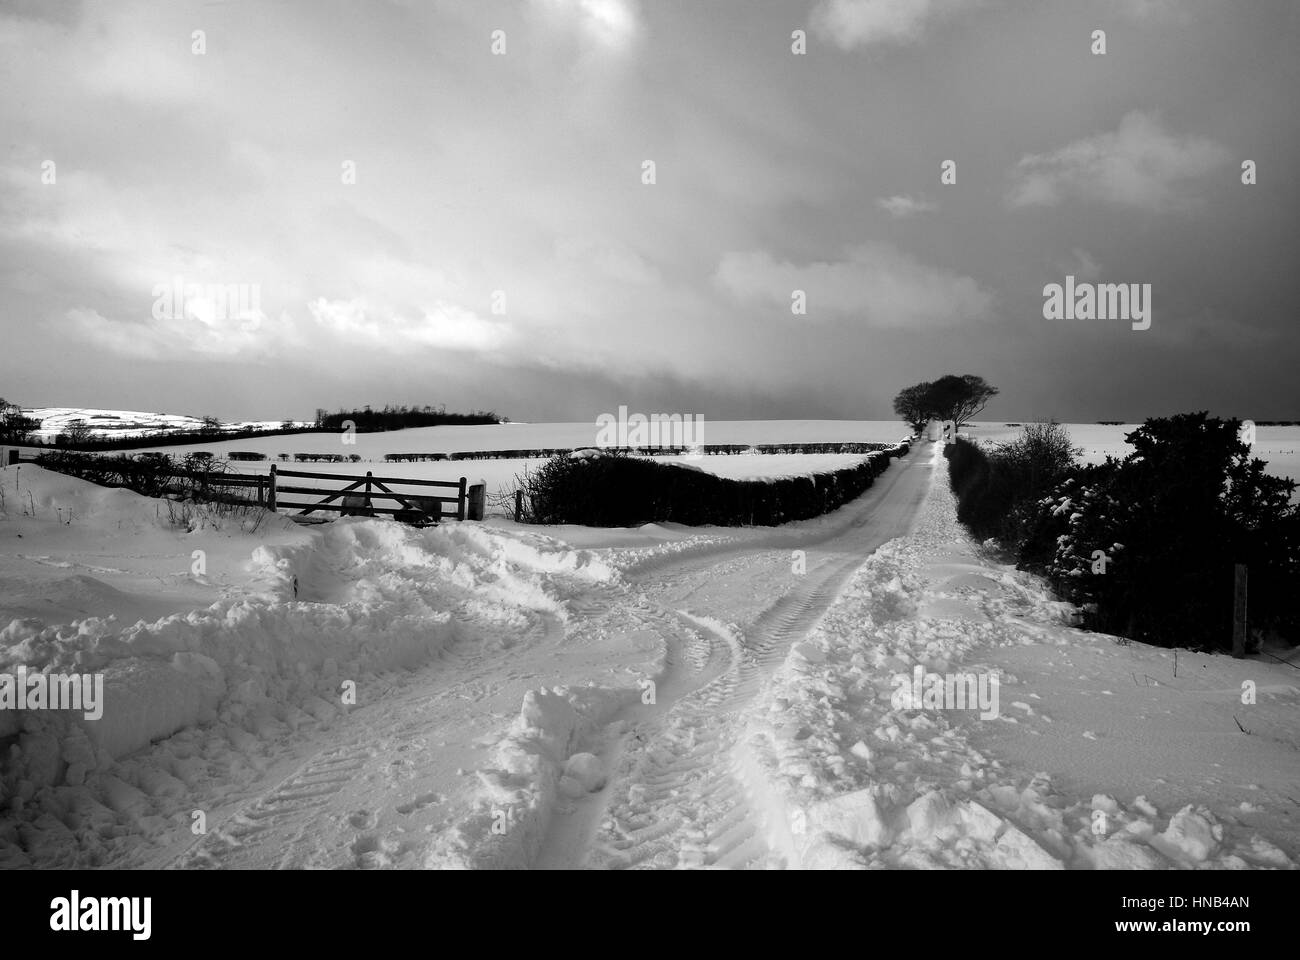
column 197, row 331
column 609, row 24
column 857, row 23
column 904, row 205
column 1137, row 165
column 1150, row 9
column 612, row 22
column 877, row 284
column 354, row 328
column 443, row 326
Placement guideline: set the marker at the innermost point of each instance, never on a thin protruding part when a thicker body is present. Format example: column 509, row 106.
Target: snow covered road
column 674, row 796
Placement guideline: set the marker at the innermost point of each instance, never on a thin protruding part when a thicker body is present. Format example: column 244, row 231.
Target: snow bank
column 849, row 777
column 351, row 600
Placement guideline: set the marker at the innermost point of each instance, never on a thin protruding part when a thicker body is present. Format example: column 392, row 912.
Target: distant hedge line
column 711, row 449
column 613, row 489
column 326, row 457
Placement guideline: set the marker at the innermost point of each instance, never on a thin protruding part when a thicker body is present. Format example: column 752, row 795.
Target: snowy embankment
column 316, row 614
column 850, row 775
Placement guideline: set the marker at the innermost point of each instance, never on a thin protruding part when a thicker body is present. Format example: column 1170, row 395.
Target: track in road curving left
column 674, row 797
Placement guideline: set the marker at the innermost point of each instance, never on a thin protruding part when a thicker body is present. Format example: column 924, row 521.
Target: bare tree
column 75, row 434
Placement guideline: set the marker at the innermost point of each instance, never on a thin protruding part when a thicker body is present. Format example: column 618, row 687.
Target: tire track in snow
column 324, row 814
column 675, row 797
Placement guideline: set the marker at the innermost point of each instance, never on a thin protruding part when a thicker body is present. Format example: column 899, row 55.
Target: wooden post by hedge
column 460, row 501
column 1239, row 612
column 477, row 501
column 270, row 489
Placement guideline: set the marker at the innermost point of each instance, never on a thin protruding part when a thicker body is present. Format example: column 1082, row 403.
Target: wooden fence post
column 368, row 507
column 519, row 506
column 1239, row 612
column 270, row 490
column 460, row 501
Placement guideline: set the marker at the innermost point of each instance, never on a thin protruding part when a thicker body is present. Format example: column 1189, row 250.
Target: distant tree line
column 400, row 417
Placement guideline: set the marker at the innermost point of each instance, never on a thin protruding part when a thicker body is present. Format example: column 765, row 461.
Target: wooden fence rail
column 356, row 498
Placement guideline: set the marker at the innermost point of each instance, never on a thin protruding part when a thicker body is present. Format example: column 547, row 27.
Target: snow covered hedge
column 196, row 475
column 610, row 489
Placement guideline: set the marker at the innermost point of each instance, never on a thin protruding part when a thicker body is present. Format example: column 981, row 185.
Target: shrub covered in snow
column 196, row 476
column 997, row 489
column 1148, row 544
column 1153, row 540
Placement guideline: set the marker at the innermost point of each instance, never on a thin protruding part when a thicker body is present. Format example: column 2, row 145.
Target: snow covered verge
column 1144, row 768
column 190, row 698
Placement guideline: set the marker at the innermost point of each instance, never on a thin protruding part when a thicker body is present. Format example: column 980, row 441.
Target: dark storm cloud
column 499, row 248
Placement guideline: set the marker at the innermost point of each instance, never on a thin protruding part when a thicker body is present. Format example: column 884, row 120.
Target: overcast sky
column 523, row 173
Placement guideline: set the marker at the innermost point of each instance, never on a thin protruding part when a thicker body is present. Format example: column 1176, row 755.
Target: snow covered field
column 501, row 475
column 125, row 423
column 369, row 695
column 445, row 439
column 1278, row 446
